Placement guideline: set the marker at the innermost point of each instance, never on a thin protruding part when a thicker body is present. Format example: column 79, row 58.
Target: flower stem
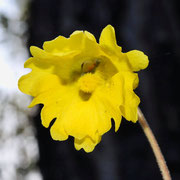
column 154, row 145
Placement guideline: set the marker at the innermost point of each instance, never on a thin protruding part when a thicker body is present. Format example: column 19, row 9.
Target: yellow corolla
column 84, row 85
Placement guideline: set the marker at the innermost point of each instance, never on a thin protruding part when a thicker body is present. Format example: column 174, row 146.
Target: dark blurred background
column 150, row 26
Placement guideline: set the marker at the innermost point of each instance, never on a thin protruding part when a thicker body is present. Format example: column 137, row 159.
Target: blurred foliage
column 4, row 21
column 18, row 145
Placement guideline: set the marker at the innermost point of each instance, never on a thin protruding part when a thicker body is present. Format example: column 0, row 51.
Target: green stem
column 154, row 145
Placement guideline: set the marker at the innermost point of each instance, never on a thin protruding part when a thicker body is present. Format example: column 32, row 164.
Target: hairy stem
column 154, row 145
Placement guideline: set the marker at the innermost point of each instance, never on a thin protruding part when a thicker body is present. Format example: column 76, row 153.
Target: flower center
column 89, row 66
column 88, row 82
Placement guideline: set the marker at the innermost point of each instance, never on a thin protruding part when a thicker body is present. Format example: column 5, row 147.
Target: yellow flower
column 83, row 84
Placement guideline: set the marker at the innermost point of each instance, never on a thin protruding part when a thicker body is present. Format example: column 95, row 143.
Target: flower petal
column 47, row 97
column 80, row 118
column 45, row 57
column 137, row 59
column 112, row 50
column 107, row 109
column 54, row 101
column 57, row 131
column 131, row 100
column 86, row 143
column 37, row 82
column 55, row 45
column 90, row 36
column 119, row 92
column 48, row 113
column 108, row 40
column 108, row 37
column 78, row 41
